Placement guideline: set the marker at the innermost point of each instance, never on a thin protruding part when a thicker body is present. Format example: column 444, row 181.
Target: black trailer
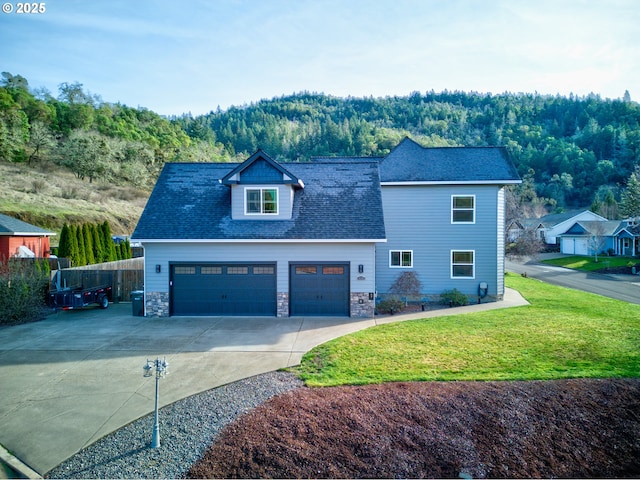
column 70, row 298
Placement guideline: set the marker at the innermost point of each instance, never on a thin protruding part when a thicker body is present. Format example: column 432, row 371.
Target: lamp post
column 161, row 367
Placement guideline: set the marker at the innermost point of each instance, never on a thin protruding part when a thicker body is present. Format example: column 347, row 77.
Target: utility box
column 137, row 303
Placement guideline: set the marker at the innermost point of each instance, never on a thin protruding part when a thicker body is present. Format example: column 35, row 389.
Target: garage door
column 319, row 289
column 223, row 289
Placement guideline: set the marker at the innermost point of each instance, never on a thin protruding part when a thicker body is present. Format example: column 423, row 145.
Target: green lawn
column 589, row 264
column 563, row 334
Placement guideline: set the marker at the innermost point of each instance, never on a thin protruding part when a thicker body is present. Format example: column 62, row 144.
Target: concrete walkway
column 69, row 380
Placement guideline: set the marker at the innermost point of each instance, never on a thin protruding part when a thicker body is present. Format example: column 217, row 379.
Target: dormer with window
column 261, row 189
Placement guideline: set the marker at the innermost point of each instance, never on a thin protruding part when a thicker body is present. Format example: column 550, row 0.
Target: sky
column 193, row 56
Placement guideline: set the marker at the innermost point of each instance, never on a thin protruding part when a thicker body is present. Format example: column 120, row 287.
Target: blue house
column 618, row 237
column 444, row 212
column 324, row 237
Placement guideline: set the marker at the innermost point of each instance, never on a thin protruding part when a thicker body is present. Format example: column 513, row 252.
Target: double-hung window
column 401, row 258
column 463, row 209
column 261, row 201
column 462, row 264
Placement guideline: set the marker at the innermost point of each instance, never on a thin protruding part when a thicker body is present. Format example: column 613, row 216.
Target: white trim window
column 261, row 201
column 463, row 209
column 463, row 264
column 401, row 258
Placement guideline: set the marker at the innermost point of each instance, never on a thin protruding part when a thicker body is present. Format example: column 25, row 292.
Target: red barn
column 20, row 239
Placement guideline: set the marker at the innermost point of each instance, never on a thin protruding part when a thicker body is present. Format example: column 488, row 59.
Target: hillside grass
column 589, row 264
column 564, row 333
column 50, row 196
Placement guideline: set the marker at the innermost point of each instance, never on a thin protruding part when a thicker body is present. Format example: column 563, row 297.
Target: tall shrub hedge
column 23, row 291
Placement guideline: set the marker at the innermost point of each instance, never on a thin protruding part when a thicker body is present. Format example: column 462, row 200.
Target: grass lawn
column 564, row 333
column 589, row 264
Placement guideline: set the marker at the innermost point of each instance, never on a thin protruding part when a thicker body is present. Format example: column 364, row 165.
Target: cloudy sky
column 178, row 56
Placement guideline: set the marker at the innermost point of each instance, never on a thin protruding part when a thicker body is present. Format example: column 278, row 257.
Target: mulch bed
column 563, row 428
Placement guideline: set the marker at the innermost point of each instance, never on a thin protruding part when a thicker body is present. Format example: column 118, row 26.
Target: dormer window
column 261, row 201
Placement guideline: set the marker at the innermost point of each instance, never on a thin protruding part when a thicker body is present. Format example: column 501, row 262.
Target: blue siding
column 418, row 218
column 353, row 253
column 261, row 171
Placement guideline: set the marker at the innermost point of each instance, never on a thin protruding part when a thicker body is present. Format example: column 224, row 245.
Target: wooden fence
column 123, row 282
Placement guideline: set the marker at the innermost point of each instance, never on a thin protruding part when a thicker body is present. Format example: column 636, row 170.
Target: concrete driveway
column 69, row 380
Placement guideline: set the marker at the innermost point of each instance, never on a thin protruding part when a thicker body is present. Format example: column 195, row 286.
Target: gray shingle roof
column 340, row 201
column 410, row 162
column 13, row 226
column 588, row 227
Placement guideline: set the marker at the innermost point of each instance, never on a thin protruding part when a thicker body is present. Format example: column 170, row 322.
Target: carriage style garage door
column 319, row 289
column 223, row 289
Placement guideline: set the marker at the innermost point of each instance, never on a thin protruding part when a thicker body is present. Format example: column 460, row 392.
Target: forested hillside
column 570, row 151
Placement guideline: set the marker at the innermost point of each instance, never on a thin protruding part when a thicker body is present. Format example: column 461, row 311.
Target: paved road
column 621, row 287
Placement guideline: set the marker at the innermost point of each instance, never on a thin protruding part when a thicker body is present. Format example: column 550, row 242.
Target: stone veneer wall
column 283, row 304
column 361, row 306
column 156, row 304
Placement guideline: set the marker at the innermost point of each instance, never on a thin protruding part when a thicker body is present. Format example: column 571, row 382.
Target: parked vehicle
column 68, row 299
column 78, row 297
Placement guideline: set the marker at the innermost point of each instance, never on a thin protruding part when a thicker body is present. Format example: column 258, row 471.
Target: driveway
column 69, row 380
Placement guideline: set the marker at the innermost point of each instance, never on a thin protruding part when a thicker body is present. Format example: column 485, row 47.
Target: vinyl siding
column 500, row 224
column 418, row 218
column 353, row 253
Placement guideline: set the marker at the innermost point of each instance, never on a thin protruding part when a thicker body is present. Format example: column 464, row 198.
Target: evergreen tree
column 64, row 247
column 128, row 253
column 88, row 244
column 98, row 247
column 82, row 258
column 109, row 245
column 630, row 199
column 73, row 246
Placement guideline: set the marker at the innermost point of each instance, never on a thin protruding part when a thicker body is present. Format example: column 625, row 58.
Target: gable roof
column 553, row 219
column 14, row 227
column 410, row 162
column 593, row 227
column 340, row 201
column 625, row 230
column 260, row 168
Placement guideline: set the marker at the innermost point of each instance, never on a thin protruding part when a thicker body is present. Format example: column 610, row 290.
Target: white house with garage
column 326, row 237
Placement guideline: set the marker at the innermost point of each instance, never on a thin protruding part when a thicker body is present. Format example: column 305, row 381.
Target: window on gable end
column 463, row 209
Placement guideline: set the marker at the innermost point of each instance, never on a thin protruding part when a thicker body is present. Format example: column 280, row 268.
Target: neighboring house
column 628, row 238
column 321, row 238
column 21, row 239
column 551, row 226
column 514, row 230
column 591, row 237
